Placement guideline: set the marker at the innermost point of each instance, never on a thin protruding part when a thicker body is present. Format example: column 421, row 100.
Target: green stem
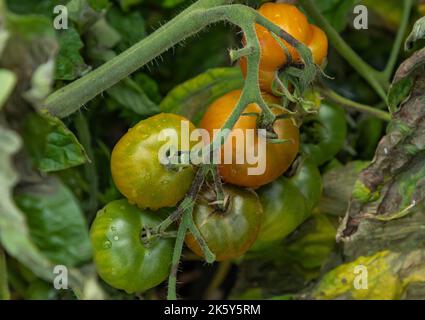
column 90, row 172
column 332, row 95
column 218, row 187
column 4, row 288
column 376, row 79
column 407, row 7
column 70, row 98
column 220, row 275
column 178, row 248
column 208, row 254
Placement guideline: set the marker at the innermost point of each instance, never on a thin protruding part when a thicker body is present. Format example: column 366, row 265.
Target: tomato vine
column 199, row 15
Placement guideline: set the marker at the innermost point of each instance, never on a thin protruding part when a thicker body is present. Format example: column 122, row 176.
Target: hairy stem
column 335, row 97
column 70, row 98
column 220, row 275
column 90, row 171
column 178, row 248
column 407, row 8
column 372, row 76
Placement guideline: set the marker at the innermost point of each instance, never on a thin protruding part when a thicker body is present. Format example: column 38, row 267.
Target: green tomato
column 122, row 259
column 308, row 180
column 137, row 171
column 228, row 234
column 329, row 131
column 287, row 203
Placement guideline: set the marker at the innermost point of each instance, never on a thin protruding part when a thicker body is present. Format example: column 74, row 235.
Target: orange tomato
column 273, row 57
column 276, row 158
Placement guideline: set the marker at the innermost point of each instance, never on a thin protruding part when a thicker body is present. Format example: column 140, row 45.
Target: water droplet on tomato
column 107, row 244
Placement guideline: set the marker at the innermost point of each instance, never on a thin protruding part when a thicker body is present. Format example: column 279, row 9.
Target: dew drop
column 116, row 238
column 107, row 244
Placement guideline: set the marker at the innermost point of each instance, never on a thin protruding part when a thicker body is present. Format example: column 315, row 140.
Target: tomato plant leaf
column 130, row 95
column 4, row 288
column 56, row 222
column 338, row 184
column 418, row 33
column 8, row 81
column 192, row 97
column 131, row 27
column 99, row 5
column 127, row 4
column 404, row 79
column 69, row 62
column 14, row 233
column 390, row 275
column 171, row 3
column 336, row 11
column 51, row 145
column 295, row 260
column 85, row 13
column 388, row 198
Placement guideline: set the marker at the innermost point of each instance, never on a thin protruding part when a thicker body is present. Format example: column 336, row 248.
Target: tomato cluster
column 257, row 210
column 273, row 56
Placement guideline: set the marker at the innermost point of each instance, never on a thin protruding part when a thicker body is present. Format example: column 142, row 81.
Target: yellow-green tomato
column 136, row 167
column 122, row 259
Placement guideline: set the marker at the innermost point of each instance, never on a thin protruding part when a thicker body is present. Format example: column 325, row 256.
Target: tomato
column 230, row 233
column 288, row 202
column 137, row 171
column 276, row 158
column 273, row 56
column 318, row 44
column 122, row 259
column 326, row 136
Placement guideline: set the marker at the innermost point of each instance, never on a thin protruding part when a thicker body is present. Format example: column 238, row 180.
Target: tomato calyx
column 149, row 235
column 178, row 161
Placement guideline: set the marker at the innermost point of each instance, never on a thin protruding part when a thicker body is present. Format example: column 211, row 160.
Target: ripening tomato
column 230, row 233
column 273, row 56
column 122, row 260
column 275, row 158
column 137, row 171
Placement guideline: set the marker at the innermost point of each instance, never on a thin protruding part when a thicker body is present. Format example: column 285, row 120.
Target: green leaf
column 171, row 3
column 130, row 95
column 149, row 86
column 14, row 233
column 336, row 11
column 69, row 62
column 192, row 97
column 56, row 222
column 311, row 245
column 8, row 81
column 30, row 27
column 41, row 83
column 338, row 184
column 51, row 145
column 389, row 10
column 99, row 5
column 84, row 12
column 131, row 27
column 44, row 7
column 398, row 92
column 4, row 288
column 127, row 4
column 418, row 33
column 404, row 79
